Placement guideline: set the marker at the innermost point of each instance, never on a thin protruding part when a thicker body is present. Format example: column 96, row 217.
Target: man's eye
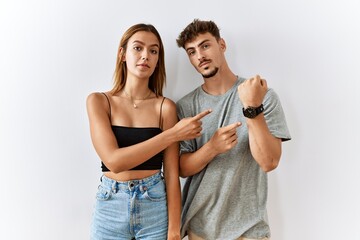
column 205, row 46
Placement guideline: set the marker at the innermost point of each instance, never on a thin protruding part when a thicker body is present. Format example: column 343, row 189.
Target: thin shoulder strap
column 160, row 120
column 107, row 98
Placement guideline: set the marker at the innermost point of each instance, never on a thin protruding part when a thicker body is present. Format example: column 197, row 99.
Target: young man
column 225, row 193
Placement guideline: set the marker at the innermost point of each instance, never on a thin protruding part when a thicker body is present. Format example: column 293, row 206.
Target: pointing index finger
column 202, row 114
column 232, row 126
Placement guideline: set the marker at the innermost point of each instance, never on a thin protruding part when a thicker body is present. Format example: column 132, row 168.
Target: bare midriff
column 131, row 175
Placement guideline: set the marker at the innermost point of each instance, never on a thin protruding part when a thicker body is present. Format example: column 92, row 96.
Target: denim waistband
column 131, row 184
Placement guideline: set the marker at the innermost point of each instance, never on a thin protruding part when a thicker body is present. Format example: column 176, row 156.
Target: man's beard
column 211, row 74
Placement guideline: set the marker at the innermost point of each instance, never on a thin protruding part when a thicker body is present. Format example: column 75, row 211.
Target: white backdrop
column 54, row 53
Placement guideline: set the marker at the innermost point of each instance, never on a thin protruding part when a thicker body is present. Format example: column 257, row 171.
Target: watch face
column 250, row 112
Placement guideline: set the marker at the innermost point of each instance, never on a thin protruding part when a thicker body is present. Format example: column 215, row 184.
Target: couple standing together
column 224, row 137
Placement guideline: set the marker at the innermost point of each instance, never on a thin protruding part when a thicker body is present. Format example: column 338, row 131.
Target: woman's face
column 142, row 54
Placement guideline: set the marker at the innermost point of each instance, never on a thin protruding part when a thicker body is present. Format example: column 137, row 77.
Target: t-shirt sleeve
column 187, row 145
column 275, row 117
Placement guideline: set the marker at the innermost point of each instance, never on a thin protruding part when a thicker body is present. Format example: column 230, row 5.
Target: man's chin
column 210, row 74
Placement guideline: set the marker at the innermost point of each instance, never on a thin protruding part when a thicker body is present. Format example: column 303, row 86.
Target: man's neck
column 219, row 84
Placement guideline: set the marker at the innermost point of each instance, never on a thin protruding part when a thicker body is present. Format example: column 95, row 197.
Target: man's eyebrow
column 201, row 43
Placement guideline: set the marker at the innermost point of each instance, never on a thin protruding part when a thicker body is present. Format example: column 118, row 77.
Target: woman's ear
column 122, row 54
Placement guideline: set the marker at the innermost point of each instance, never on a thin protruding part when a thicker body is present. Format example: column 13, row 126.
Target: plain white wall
column 54, row 53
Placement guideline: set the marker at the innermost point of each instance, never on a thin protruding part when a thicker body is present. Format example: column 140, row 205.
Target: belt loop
column 113, row 187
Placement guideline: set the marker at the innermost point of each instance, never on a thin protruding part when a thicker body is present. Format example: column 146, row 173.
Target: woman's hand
column 173, row 235
column 190, row 127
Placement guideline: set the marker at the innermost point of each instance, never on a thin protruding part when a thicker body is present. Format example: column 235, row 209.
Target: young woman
column 135, row 132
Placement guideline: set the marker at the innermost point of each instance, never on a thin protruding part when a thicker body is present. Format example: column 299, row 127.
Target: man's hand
column 252, row 91
column 224, row 138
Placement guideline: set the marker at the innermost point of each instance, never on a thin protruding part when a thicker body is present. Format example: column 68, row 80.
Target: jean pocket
column 103, row 194
column 156, row 192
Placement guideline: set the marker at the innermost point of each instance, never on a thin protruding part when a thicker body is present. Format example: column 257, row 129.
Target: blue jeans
column 128, row 210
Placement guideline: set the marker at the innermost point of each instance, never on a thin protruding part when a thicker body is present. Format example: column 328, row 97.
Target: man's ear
column 222, row 44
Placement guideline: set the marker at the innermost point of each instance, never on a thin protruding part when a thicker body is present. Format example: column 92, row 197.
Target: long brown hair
column 158, row 79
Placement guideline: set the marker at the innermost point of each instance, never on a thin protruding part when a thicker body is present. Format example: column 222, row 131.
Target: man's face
column 206, row 54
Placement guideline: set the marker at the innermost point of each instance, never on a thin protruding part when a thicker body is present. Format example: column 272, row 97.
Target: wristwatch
column 251, row 112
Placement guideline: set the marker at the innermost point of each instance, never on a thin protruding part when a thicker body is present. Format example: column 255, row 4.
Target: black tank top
column 127, row 136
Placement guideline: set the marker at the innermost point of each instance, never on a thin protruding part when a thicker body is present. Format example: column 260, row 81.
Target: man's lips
column 204, row 63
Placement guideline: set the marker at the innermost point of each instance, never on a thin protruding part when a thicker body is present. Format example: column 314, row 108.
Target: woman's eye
column 137, row 48
column 154, row 51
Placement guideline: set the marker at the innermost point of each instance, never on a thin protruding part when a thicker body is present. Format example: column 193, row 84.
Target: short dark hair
column 195, row 28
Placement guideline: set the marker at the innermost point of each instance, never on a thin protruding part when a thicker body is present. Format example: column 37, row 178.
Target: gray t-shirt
column 227, row 199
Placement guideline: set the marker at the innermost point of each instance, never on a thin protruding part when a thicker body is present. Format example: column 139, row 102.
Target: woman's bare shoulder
column 96, row 101
column 168, row 105
column 97, row 97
